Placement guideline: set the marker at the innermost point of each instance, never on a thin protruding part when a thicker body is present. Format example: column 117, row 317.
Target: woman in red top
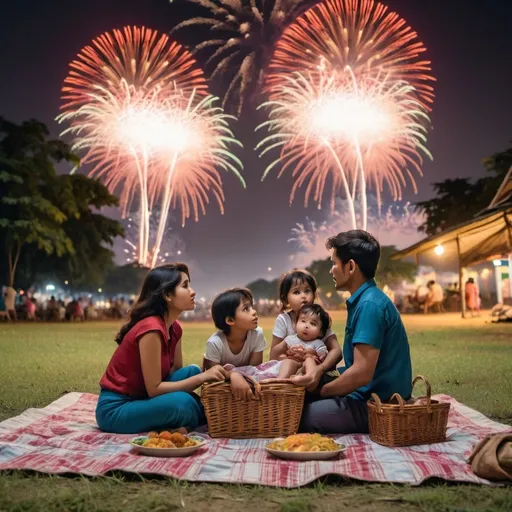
column 145, row 387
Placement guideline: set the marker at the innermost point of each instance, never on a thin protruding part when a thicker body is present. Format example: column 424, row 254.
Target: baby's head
column 312, row 322
column 296, row 288
column 234, row 308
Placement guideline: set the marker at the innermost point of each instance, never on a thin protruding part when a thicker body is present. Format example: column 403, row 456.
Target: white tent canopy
column 486, row 237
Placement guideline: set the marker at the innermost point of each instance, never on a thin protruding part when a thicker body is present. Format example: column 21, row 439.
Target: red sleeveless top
column 124, row 372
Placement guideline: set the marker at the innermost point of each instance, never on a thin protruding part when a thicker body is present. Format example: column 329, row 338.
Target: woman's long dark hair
column 158, row 283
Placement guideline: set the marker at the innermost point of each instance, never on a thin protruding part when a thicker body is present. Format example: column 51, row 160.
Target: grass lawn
column 470, row 360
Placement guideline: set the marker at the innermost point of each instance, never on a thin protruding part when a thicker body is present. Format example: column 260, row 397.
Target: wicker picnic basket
column 404, row 424
column 276, row 414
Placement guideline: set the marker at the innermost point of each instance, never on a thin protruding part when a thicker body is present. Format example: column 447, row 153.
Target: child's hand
column 310, row 352
column 296, row 352
column 215, row 373
column 240, row 387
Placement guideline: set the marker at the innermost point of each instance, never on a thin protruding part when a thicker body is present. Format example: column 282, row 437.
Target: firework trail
column 127, row 250
column 243, row 36
column 348, row 100
column 139, row 109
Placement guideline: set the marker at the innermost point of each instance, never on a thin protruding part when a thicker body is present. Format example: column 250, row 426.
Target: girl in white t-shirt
column 296, row 289
column 239, row 341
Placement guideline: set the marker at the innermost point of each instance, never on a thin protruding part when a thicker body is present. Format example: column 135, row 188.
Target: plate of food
column 305, row 447
column 167, row 444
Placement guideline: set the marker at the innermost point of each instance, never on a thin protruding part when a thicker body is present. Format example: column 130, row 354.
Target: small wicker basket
column 276, row 414
column 404, row 424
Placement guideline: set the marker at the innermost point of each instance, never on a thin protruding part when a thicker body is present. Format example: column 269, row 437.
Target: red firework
column 361, row 34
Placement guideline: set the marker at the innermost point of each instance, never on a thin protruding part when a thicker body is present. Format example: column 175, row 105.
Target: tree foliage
column 394, row 272
column 125, row 279
column 389, row 272
column 458, row 200
column 49, row 222
column 263, row 289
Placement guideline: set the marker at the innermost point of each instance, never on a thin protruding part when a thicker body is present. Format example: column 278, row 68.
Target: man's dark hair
column 319, row 311
column 225, row 304
column 357, row 245
column 293, row 278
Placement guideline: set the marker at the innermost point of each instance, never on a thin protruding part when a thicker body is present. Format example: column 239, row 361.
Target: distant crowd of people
column 433, row 298
column 429, row 298
column 24, row 306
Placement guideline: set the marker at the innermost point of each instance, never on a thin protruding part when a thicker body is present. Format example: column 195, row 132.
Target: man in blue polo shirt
column 376, row 349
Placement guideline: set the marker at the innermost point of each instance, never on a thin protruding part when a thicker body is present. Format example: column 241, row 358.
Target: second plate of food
column 173, row 447
column 305, row 447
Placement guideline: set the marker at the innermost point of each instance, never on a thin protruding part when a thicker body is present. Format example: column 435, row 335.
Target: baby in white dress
column 313, row 322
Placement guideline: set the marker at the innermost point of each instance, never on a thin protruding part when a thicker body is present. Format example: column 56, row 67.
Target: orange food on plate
column 179, row 439
column 305, row 443
column 165, row 435
column 167, row 439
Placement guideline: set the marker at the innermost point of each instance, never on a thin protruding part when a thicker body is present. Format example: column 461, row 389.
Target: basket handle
column 256, row 385
column 377, row 401
column 429, row 391
column 399, row 399
column 253, row 382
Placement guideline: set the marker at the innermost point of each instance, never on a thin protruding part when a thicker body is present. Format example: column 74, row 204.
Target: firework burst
column 336, row 127
column 361, row 34
column 244, row 33
column 348, row 101
column 139, row 110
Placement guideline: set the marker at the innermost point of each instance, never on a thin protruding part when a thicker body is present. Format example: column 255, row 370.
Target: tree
column 125, row 279
column 263, row 289
column 27, row 175
column 47, row 220
column 456, row 201
column 90, row 232
column 389, row 271
column 393, row 272
column 320, row 270
column 459, row 200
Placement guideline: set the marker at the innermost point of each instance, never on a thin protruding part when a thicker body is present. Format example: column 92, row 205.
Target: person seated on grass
column 3, row 309
column 313, row 322
column 145, row 386
column 435, row 297
column 239, row 342
column 376, row 349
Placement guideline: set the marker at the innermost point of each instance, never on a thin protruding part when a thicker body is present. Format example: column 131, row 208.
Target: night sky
column 468, row 42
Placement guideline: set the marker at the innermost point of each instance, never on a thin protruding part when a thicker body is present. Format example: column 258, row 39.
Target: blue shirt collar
column 353, row 299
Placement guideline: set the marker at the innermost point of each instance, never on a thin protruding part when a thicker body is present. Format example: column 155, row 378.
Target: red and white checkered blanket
column 64, row 438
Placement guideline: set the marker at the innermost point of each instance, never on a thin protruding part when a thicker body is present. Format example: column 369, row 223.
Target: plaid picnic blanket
column 64, row 438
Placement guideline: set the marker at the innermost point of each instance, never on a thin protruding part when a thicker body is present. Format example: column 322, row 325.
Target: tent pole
column 510, row 277
column 461, row 283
